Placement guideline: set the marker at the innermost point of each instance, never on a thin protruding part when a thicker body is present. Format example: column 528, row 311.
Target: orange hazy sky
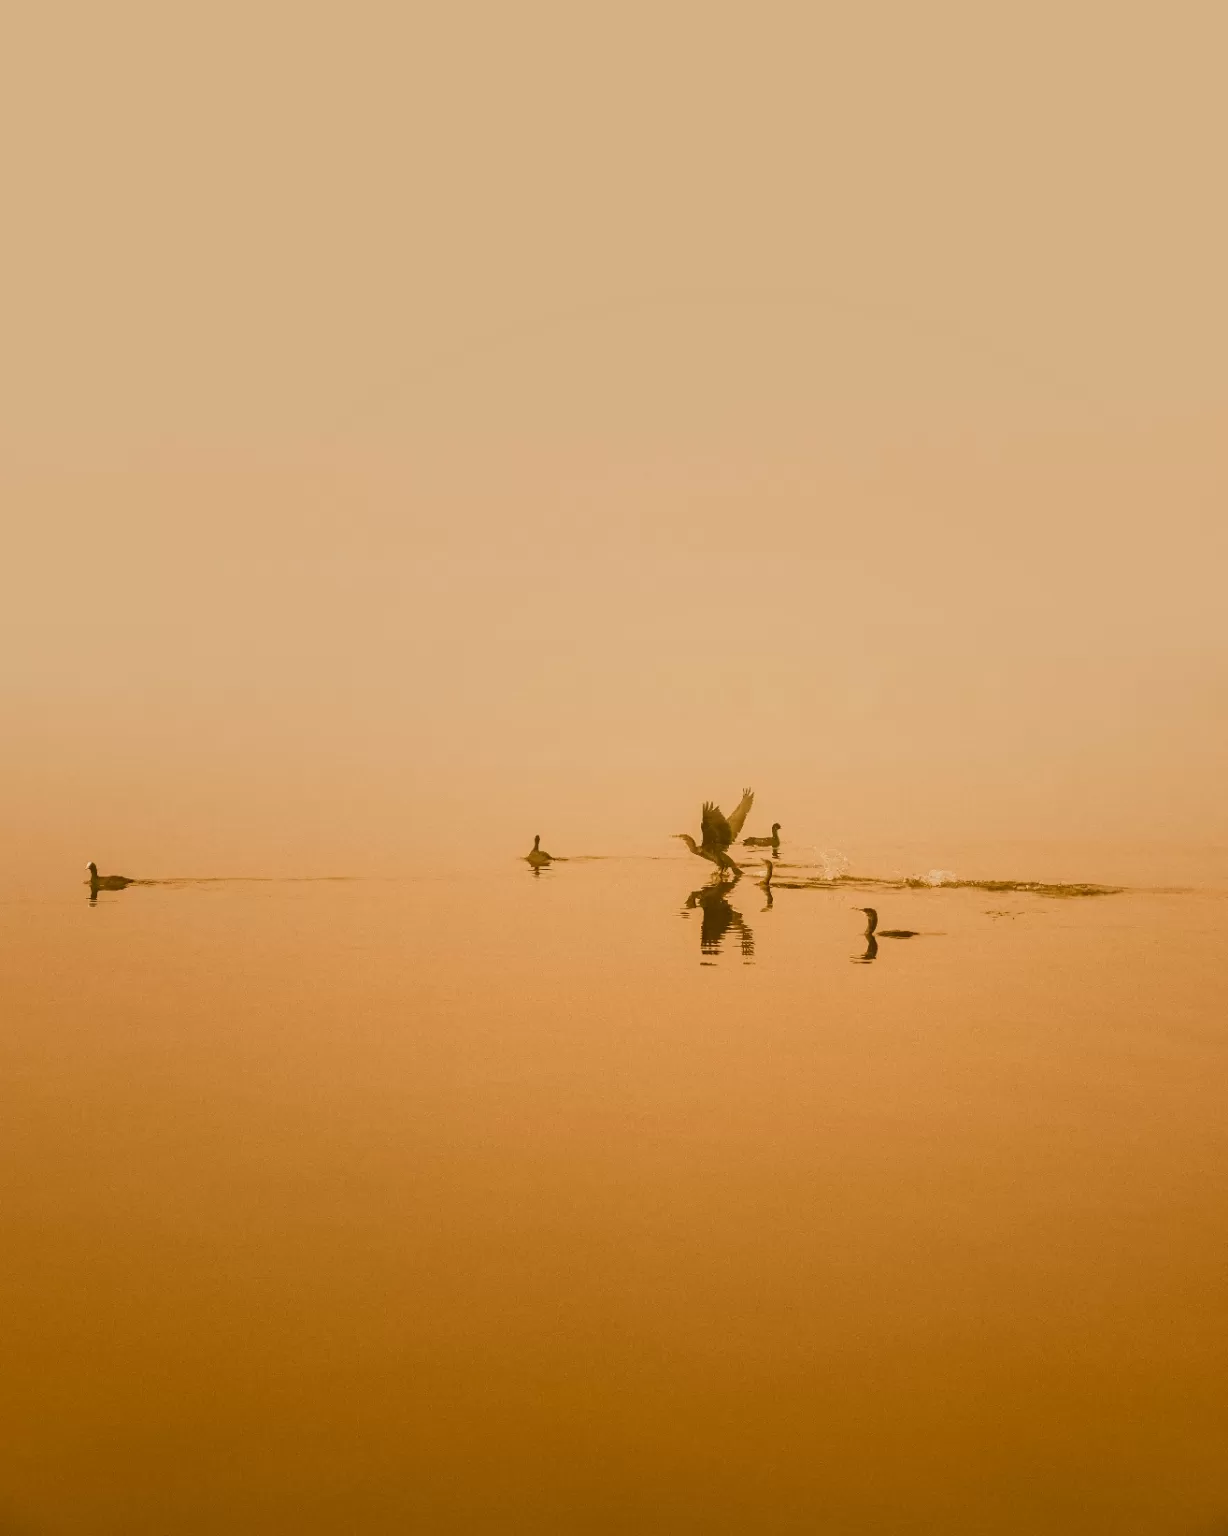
column 421, row 423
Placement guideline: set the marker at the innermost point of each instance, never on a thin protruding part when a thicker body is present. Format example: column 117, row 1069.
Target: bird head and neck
column 767, row 879
column 537, row 842
column 775, row 829
column 688, row 840
column 871, row 920
column 93, row 869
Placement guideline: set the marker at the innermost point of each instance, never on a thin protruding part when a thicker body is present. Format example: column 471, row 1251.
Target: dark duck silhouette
column 873, row 930
column 537, row 855
column 764, row 842
column 105, row 882
column 717, row 832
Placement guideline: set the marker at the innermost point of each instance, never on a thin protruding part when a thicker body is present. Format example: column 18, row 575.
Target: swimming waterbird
column 717, row 831
column 764, row 842
column 106, row 882
column 537, row 856
column 873, row 929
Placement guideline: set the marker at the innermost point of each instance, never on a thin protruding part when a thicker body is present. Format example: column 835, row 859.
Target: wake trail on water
column 829, row 872
column 950, row 883
column 175, row 880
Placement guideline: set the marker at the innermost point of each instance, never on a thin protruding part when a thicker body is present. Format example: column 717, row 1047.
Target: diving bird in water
column 718, row 831
column 873, row 930
column 764, row 842
column 537, row 856
column 105, row 882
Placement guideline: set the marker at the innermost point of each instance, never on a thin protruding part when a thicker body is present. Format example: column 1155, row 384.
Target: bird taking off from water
column 872, row 928
column 106, row 882
column 537, row 856
column 718, row 831
column 764, row 842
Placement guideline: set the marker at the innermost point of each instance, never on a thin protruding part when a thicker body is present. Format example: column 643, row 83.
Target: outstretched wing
column 739, row 816
column 717, row 833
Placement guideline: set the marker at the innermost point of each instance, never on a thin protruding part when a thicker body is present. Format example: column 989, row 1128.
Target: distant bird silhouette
column 537, row 856
column 764, row 842
column 106, row 882
column 718, row 831
column 872, row 928
column 766, row 883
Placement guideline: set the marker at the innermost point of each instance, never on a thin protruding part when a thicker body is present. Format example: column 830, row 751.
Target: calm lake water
column 493, row 1202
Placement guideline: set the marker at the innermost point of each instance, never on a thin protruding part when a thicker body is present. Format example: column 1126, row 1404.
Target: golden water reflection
column 455, row 1204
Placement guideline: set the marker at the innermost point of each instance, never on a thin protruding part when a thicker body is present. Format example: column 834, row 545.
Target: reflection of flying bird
column 718, row 918
column 764, row 842
column 537, row 856
column 718, row 831
column 873, row 930
column 106, row 882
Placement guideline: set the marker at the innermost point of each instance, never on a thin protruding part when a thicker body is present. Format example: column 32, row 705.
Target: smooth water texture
column 596, row 1200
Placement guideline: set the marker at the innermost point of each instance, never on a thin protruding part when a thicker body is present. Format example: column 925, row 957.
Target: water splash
column 937, row 877
column 832, row 863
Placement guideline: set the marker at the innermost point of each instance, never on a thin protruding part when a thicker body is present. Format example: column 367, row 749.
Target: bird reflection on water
column 871, row 951
column 718, row 918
